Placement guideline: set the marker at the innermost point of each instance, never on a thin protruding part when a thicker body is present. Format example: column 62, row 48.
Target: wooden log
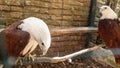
column 62, row 58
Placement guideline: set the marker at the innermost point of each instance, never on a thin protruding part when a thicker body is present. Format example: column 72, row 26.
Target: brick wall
column 66, row 41
column 58, row 13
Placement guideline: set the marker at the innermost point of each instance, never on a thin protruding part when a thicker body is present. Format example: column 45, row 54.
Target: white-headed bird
column 23, row 37
column 39, row 34
column 109, row 29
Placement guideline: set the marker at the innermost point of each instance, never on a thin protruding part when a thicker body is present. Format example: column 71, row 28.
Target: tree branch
column 63, row 58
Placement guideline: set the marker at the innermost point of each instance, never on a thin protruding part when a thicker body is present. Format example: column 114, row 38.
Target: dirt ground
column 83, row 63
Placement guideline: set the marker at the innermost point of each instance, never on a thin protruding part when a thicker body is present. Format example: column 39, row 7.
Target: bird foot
column 30, row 57
column 19, row 61
column 26, row 59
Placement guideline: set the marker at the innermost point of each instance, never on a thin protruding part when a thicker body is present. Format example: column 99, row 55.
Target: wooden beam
column 73, row 29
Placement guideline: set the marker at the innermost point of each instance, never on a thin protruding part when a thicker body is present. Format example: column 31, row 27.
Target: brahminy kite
column 109, row 29
column 23, row 37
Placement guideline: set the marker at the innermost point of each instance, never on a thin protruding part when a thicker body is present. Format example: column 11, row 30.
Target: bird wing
column 109, row 31
column 16, row 39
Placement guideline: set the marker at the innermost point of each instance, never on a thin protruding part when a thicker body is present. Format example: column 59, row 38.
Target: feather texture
column 107, row 13
column 16, row 39
column 38, row 30
column 109, row 29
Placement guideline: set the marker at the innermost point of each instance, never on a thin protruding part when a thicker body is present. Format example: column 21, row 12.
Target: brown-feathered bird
column 109, row 29
column 23, row 37
column 16, row 39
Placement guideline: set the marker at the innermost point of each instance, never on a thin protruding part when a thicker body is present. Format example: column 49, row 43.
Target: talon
column 30, row 57
column 19, row 60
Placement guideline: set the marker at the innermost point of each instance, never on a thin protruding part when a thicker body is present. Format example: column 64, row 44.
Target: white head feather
column 107, row 13
column 39, row 30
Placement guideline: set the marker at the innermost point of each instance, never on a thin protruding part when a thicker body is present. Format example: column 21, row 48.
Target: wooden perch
column 63, row 58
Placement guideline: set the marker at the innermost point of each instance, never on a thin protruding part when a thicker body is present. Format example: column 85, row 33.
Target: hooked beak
column 45, row 51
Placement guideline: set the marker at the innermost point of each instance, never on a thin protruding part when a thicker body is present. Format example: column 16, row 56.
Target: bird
column 109, row 29
column 22, row 37
column 39, row 34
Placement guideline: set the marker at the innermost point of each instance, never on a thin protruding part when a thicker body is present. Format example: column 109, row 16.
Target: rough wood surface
column 60, row 59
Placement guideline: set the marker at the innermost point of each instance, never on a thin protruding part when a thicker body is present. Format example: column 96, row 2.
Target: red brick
column 56, row 5
column 2, row 2
column 16, row 9
column 14, row 2
column 54, row 17
column 4, row 7
column 37, row 3
column 30, row 9
column 5, row 14
column 16, row 14
column 55, row 11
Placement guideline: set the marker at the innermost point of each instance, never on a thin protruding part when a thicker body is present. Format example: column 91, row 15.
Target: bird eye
column 43, row 44
column 105, row 7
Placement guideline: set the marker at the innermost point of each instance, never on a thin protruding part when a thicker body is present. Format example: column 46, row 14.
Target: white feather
column 38, row 29
column 107, row 13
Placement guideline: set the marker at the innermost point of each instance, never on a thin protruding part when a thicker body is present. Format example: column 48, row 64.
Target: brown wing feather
column 16, row 39
column 109, row 31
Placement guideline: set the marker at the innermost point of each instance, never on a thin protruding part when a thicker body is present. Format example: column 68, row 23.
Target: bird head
column 44, row 47
column 107, row 13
